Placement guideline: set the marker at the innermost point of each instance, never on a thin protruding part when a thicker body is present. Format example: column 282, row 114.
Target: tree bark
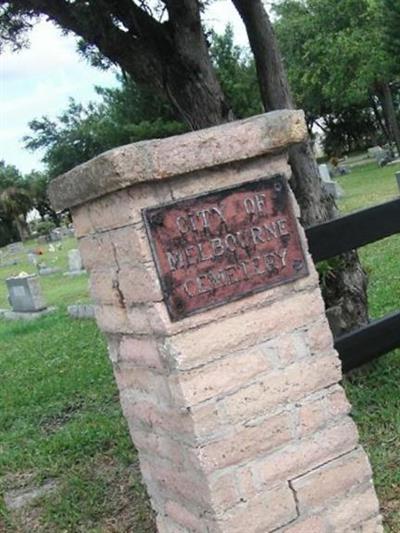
column 346, row 286
column 170, row 57
column 390, row 115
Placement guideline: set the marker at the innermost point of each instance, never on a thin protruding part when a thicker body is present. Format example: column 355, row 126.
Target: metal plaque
column 217, row 247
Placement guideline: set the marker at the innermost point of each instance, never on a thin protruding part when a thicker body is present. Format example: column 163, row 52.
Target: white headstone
column 324, row 173
column 75, row 261
column 25, row 295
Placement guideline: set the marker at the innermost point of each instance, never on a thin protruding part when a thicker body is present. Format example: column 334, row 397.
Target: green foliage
column 236, row 72
column 125, row 114
column 44, row 227
column 337, row 60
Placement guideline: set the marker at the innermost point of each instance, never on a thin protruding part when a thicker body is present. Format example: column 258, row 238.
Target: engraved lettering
column 182, row 224
column 230, row 242
column 175, row 260
column 256, row 234
column 282, row 255
column 271, row 231
column 189, row 290
column 217, row 246
column 282, row 226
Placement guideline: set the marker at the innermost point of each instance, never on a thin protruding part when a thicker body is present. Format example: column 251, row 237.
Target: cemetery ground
column 61, row 426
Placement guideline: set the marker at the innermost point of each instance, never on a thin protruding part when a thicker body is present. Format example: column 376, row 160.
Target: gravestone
column 216, row 329
column 75, row 264
column 330, row 186
column 25, row 294
column 398, row 179
column 15, row 247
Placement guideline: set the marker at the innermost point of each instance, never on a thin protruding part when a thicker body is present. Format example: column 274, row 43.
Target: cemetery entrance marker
column 218, row 247
column 216, row 330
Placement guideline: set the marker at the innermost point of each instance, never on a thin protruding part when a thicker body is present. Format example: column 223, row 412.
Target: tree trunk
column 22, row 227
column 346, row 286
column 390, row 115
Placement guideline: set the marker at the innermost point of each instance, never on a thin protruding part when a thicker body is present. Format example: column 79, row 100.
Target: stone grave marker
column 25, row 298
column 75, row 264
column 398, row 179
column 328, row 183
column 15, row 247
column 216, row 329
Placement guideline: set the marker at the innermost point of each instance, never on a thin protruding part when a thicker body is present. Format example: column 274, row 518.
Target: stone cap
column 163, row 158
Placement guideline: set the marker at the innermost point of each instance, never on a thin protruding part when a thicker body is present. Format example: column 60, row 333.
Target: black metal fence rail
column 352, row 231
column 347, row 233
column 373, row 340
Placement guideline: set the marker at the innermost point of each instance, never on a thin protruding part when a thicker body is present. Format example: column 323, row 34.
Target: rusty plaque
column 220, row 246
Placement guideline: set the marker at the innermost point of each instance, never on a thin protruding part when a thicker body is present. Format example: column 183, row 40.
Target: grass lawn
column 60, row 418
column 375, row 391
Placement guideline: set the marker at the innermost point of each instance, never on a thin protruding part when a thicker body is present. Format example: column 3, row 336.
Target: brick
column 131, row 245
column 159, row 445
column 206, row 422
column 206, row 343
column 145, row 382
column 353, row 510
column 331, row 480
column 319, row 337
column 104, row 288
column 189, row 486
column 220, row 377
column 138, row 319
column 280, row 387
column 306, row 454
column 141, row 351
column 139, row 284
column 112, row 319
column 166, row 525
column 184, row 517
column 246, row 443
column 151, row 416
column 374, row 525
column 313, row 524
column 264, row 512
column 292, row 348
column 315, row 413
column 82, row 223
column 130, row 202
column 245, row 483
column 223, row 492
column 98, row 252
column 202, row 181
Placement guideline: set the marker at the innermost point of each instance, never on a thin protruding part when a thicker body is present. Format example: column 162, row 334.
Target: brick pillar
column 236, row 411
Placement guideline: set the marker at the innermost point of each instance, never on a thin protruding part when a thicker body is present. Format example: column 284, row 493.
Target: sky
column 39, row 81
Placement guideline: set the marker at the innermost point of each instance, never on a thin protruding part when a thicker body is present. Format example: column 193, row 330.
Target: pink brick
column 98, row 252
column 199, row 346
column 262, row 513
column 292, row 348
column 280, row 387
column 246, row 443
column 220, row 377
column 131, row 245
column 145, row 382
column 185, row 518
column 315, row 413
column 112, row 319
column 82, row 223
column 313, row 524
column 139, row 284
column 173, row 482
column 306, row 454
column 353, row 510
column 141, row 351
column 104, row 288
column 223, row 492
column 159, row 445
column 320, row 337
column 331, row 480
column 155, row 416
column 206, row 422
